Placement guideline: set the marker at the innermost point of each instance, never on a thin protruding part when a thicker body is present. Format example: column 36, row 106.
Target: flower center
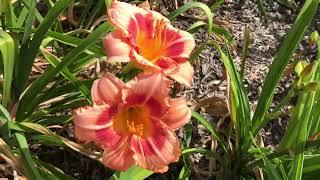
column 153, row 47
column 134, row 119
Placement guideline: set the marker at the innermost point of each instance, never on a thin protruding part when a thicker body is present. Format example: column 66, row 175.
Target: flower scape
column 134, row 122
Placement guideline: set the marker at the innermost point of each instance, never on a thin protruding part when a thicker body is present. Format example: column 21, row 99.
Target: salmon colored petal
column 108, row 137
column 87, row 120
column 148, row 86
column 180, row 43
column 117, row 47
column 119, row 157
column 184, row 73
column 123, row 16
column 178, row 114
column 157, row 151
column 132, row 20
column 107, row 89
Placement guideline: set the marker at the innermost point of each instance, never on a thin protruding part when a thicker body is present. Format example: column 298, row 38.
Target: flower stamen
column 133, row 120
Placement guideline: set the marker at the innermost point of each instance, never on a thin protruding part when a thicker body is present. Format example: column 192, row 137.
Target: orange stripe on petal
column 157, row 151
column 108, row 89
column 178, row 114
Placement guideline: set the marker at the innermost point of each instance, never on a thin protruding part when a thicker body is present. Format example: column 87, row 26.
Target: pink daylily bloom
column 134, row 122
column 148, row 39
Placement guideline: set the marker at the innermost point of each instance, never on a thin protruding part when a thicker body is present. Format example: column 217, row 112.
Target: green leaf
column 281, row 60
column 195, row 26
column 188, row 130
column 29, row 164
column 65, row 89
column 311, row 163
column 7, row 49
column 4, row 115
column 37, row 14
column 99, row 7
column 211, row 129
column 216, row 5
column 11, row 17
column 29, row 22
column 53, row 60
column 246, row 42
column 33, row 127
column 133, row 173
column 270, row 168
column 38, row 85
column 240, row 111
column 222, row 32
column 58, row 174
column 288, row 3
column 22, row 16
column 190, row 5
column 296, row 135
column 271, row 171
column 73, row 41
column 184, row 173
column 29, row 50
column 4, row 123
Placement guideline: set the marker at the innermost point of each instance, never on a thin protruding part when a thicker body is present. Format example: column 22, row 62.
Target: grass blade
column 28, row 51
column 57, row 173
column 29, row 21
column 73, row 41
column 211, row 129
column 38, row 85
column 240, row 111
column 134, row 173
column 282, row 58
column 32, row 171
column 37, row 14
column 190, row 5
column 53, row 60
column 245, row 50
column 4, row 115
column 7, row 49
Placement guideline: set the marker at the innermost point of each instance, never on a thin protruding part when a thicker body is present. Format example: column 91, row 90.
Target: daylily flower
column 148, row 40
column 134, row 123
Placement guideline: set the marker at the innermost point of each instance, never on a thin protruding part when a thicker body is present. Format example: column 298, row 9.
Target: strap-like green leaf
column 38, row 85
column 7, row 50
column 190, row 5
column 211, row 129
column 29, row 164
column 240, row 111
column 29, row 50
column 281, row 60
column 133, row 173
column 54, row 61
